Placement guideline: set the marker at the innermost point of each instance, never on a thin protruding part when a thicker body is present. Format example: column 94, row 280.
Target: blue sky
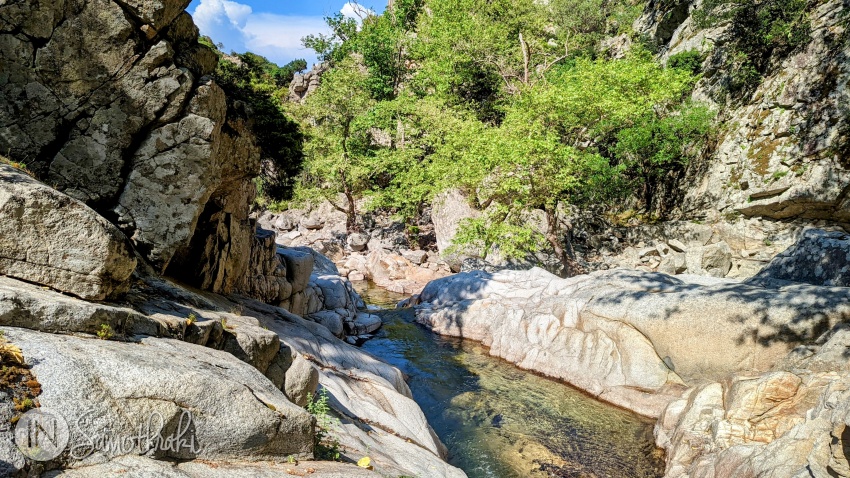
column 272, row 28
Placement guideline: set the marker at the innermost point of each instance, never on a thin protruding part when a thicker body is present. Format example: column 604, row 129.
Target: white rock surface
column 630, row 338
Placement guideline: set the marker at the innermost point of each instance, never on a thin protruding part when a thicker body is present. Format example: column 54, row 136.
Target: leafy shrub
column 690, row 61
column 105, row 332
column 760, row 30
column 325, row 446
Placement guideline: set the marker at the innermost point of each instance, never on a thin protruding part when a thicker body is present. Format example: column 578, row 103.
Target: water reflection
column 500, row 421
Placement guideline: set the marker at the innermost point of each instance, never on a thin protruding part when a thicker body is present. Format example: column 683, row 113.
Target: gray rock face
column 368, row 395
column 109, row 389
column 299, row 266
column 29, row 306
column 819, row 258
column 302, row 380
column 305, row 83
column 48, row 238
column 108, row 101
column 619, row 334
column 130, row 379
column 449, row 211
column 785, row 156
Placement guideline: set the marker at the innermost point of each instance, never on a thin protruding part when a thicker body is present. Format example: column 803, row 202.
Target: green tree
column 553, row 152
column 250, row 78
column 339, row 151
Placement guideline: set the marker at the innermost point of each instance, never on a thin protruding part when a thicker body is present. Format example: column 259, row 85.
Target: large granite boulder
column 629, row 337
column 110, row 102
column 51, row 239
column 105, row 390
column 819, row 257
column 790, row 421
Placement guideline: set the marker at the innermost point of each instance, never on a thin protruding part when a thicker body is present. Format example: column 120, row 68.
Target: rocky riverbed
column 746, row 377
column 498, row 421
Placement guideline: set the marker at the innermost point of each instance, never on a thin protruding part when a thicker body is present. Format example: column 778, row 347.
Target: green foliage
column 505, row 100
column 690, row 60
column 656, row 145
column 380, row 42
column 326, row 447
column 105, row 332
column 335, row 46
column 340, row 158
column 257, row 82
column 592, row 134
column 759, row 30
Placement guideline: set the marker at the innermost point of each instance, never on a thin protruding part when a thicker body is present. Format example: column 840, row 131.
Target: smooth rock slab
column 630, row 338
column 51, row 239
column 109, row 389
column 141, row 467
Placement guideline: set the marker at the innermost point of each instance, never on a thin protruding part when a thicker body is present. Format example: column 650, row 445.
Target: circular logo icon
column 41, row 435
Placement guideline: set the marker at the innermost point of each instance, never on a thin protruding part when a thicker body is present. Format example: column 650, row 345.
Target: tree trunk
column 563, row 250
column 350, row 213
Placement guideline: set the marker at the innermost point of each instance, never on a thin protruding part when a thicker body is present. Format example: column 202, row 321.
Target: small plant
column 224, row 324
column 326, row 447
column 17, row 165
column 10, row 352
column 191, row 319
column 105, row 332
column 779, row 175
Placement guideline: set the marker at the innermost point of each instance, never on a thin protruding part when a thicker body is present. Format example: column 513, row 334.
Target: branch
column 525, row 55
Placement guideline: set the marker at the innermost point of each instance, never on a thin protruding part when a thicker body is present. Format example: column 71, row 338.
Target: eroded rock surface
column 790, row 421
column 631, row 338
column 109, row 102
column 109, row 389
column 49, row 238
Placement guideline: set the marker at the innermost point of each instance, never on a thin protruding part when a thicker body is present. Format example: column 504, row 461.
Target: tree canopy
column 509, row 100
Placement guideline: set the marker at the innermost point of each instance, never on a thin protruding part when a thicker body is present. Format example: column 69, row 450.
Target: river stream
column 502, row 422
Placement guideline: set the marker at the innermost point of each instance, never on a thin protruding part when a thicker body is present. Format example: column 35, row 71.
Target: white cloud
column 213, row 14
column 356, row 11
column 239, row 28
column 278, row 36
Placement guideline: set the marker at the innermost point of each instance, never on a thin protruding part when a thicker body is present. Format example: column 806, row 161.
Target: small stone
column 358, row 241
column 647, row 251
column 416, row 257
column 302, row 380
column 356, row 276
column 677, row 245
column 311, row 223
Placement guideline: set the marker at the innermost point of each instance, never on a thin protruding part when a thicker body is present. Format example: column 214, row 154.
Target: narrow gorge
column 477, row 238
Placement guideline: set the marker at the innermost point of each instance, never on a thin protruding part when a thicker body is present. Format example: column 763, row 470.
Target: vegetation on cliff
column 261, row 86
column 512, row 101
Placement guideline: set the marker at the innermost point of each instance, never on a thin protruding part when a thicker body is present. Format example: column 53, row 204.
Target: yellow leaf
column 13, row 353
column 365, row 462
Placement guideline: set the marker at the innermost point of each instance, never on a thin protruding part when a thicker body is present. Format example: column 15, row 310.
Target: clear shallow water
column 503, row 422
